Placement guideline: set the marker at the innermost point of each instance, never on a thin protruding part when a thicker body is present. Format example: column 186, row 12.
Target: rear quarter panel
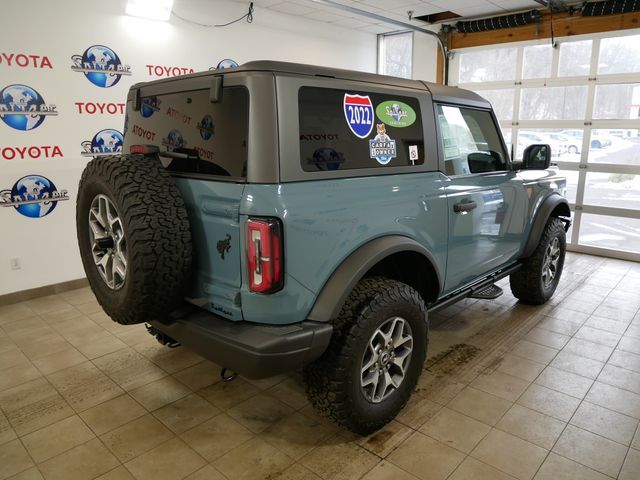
column 325, row 221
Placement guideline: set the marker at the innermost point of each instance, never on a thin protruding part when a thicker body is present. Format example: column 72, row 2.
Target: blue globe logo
column 107, row 141
column 206, row 127
column 174, row 140
column 37, row 189
column 226, row 63
column 99, row 57
column 20, row 98
column 149, row 106
column 326, row 159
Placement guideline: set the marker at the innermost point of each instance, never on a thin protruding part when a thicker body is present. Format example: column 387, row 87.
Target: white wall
column 57, row 30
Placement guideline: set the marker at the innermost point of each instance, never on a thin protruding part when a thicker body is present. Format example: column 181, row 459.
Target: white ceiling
column 395, row 9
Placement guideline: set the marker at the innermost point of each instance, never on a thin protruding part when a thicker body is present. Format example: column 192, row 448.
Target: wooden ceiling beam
column 564, row 25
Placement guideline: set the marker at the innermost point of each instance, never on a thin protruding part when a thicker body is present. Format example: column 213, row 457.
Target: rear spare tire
column 134, row 237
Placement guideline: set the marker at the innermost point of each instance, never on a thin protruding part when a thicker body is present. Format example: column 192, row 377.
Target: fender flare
column 335, row 291
column 542, row 216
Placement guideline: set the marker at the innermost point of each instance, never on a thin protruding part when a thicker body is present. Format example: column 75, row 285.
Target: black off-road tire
column 157, row 231
column 333, row 381
column 527, row 284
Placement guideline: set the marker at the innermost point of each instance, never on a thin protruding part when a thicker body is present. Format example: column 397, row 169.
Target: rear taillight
column 143, row 149
column 264, row 255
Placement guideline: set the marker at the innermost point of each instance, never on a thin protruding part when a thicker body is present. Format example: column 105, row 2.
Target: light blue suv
column 277, row 216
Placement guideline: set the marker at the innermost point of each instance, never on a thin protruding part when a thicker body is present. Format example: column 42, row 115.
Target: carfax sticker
column 396, row 113
column 358, row 111
column 382, row 147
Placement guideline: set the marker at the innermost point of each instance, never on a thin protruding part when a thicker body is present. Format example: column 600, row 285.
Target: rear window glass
column 351, row 129
column 210, row 138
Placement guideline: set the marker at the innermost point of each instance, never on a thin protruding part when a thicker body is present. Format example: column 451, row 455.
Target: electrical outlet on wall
column 15, row 263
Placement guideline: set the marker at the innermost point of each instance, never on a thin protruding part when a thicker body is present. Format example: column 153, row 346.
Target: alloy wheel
column 386, row 359
column 108, row 241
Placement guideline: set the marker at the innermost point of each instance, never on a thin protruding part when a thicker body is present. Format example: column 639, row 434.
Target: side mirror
column 536, row 157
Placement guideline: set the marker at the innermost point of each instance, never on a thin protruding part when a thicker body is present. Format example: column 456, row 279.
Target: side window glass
column 346, row 130
column 470, row 141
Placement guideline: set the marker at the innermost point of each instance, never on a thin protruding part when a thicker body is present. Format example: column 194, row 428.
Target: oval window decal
column 396, row 114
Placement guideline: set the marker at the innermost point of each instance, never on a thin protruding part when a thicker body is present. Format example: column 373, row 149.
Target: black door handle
column 464, row 207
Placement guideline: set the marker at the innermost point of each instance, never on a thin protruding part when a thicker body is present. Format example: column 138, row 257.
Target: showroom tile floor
column 509, row 391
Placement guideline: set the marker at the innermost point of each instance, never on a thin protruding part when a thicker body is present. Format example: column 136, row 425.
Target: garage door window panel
column 566, row 144
column 572, row 177
column 615, row 233
column 536, row 61
column 618, row 146
column 501, row 100
column 621, row 101
column 553, row 103
column 617, row 190
column 491, row 65
column 575, row 58
column 619, row 55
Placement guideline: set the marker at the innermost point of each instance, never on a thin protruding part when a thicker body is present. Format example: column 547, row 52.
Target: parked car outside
column 526, row 138
column 597, row 140
column 572, row 144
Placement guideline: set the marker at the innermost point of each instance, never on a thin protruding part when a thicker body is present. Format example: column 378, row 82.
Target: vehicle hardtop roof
column 440, row 93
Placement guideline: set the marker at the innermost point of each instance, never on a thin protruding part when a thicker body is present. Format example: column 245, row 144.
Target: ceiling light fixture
column 152, row 9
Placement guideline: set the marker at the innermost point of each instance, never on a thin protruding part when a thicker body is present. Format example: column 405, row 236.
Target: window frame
column 212, row 176
column 381, row 51
column 496, row 125
column 398, row 137
column 287, row 90
column 162, row 90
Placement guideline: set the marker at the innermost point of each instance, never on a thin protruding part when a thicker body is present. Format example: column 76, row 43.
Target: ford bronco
column 278, row 216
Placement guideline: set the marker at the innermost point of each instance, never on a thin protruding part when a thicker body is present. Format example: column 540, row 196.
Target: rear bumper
column 250, row 349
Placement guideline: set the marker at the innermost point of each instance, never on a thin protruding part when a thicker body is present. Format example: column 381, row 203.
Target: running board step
column 488, row 293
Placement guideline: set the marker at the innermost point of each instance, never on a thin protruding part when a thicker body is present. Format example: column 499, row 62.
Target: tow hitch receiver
column 228, row 375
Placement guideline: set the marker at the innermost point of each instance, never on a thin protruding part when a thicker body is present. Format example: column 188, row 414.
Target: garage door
column 583, row 98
